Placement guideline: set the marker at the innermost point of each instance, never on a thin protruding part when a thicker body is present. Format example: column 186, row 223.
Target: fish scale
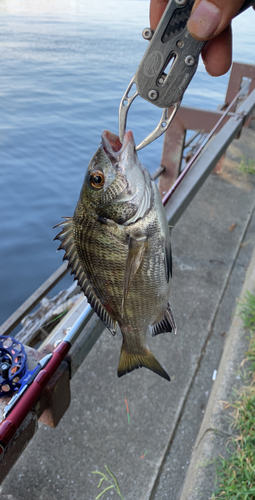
column 118, row 248
column 141, row 299
column 98, row 255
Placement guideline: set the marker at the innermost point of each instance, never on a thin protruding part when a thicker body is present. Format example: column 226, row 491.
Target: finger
column 157, row 8
column 209, row 18
column 217, row 53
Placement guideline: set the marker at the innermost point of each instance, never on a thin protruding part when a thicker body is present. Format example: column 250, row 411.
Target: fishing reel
column 13, row 365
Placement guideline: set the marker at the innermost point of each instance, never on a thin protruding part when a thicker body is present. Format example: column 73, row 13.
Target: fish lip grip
column 13, row 365
column 171, row 58
column 167, row 67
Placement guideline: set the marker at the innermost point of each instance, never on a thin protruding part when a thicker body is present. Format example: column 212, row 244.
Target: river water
column 64, row 66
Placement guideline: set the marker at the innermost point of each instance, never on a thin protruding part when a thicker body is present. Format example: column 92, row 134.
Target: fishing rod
column 31, row 384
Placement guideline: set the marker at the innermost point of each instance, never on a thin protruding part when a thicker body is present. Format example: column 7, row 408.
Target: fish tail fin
column 129, row 362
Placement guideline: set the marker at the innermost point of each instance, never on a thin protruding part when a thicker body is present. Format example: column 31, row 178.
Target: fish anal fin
column 129, row 362
column 66, row 238
column 136, row 250
column 166, row 325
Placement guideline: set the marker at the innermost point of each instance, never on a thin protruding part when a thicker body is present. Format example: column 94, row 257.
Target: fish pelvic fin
column 129, row 362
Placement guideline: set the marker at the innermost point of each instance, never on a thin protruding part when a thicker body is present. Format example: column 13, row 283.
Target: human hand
column 209, row 20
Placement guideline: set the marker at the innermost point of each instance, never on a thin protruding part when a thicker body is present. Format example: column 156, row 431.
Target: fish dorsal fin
column 66, row 237
column 166, row 325
column 136, row 249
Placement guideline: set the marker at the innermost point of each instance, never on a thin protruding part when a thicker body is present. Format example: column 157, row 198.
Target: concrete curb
column 215, row 429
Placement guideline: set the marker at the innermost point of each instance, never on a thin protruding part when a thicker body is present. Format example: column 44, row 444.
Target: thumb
column 209, row 18
column 157, row 8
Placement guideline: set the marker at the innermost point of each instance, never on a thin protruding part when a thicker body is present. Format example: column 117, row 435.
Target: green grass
column 113, row 484
column 236, row 474
column 247, row 166
column 247, row 311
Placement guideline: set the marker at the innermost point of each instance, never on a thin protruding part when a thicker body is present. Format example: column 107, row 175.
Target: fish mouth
column 114, row 149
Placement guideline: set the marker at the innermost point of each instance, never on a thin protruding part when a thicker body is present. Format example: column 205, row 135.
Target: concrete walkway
column 216, row 427
column 212, row 247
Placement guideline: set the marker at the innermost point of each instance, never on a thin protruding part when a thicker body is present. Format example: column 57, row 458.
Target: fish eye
column 97, row 179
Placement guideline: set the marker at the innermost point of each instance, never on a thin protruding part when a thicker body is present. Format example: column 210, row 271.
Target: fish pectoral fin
column 129, row 362
column 136, row 249
column 166, row 325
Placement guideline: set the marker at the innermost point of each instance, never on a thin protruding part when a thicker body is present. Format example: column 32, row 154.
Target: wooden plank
column 32, row 301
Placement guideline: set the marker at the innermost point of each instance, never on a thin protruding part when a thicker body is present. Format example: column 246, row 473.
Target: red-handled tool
column 19, row 408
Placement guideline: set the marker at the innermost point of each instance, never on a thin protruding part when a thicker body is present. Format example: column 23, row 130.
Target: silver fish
column 118, row 247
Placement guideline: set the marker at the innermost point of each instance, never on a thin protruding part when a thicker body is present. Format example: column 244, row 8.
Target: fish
column 118, row 248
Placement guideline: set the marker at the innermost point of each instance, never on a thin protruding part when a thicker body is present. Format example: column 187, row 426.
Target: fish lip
column 113, row 147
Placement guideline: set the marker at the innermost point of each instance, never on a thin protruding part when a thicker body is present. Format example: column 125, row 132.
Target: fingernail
column 204, row 20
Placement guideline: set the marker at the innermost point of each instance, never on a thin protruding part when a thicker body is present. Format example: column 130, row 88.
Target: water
column 64, row 66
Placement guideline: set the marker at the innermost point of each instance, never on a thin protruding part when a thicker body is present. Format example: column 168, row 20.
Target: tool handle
column 172, row 56
column 15, row 418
